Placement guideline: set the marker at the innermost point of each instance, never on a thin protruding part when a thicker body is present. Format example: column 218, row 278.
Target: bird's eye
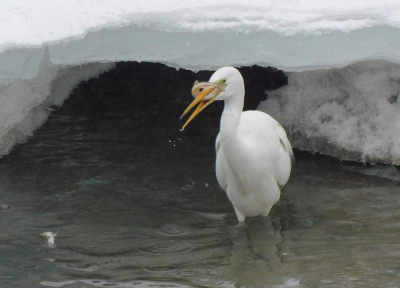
column 201, row 89
column 223, row 80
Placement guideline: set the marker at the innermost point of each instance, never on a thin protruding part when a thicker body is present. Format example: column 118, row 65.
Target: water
column 132, row 211
column 136, row 204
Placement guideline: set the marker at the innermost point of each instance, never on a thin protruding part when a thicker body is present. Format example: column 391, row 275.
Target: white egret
column 254, row 155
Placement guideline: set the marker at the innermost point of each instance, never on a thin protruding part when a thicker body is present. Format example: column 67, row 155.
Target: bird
column 254, row 157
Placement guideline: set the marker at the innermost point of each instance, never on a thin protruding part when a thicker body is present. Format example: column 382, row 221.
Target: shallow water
column 137, row 210
column 136, row 204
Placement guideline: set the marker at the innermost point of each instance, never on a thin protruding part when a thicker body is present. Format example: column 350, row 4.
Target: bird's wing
column 285, row 143
column 269, row 139
column 286, row 158
column 220, row 165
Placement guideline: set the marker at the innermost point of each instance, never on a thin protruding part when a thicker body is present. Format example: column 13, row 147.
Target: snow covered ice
column 47, row 47
column 351, row 113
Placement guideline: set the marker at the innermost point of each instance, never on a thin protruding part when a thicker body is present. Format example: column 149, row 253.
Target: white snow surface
column 291, row 34
column 49, row 46
column 352, row 113
column 34, row 22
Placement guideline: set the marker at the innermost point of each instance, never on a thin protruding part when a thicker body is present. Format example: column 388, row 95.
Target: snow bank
column 352, row 113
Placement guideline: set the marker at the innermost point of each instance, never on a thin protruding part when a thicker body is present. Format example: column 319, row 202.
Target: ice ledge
column 210, row 50
column 352, row 113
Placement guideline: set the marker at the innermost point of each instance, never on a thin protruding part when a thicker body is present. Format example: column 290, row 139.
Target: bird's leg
column 239, row 215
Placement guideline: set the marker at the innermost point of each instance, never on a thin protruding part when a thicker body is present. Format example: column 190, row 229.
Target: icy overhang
column 211, row 49
column 46, row 48
column 290, row 35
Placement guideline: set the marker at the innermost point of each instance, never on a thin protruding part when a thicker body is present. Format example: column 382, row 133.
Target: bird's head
column 223, row 84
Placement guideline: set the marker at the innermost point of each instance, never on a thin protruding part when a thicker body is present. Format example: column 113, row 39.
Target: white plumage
column 254, row 155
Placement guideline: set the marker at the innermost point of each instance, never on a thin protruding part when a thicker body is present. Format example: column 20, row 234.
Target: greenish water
column 136, row 207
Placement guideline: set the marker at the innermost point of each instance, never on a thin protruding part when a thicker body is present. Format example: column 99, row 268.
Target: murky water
column 136, row 211
column 136, row 204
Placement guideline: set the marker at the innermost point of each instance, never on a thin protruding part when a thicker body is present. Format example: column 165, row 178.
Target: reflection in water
column 140, row 209
column 258, row 252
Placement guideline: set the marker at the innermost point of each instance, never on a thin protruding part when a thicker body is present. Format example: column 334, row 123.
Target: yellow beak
column 203, row 104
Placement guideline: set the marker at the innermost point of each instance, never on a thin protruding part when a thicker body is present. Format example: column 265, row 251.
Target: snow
column 352, row 113
column 48, row 46
column 292, row 35
column 43, row 21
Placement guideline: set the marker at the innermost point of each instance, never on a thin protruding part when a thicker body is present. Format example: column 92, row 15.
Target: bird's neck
column 232, row 145
column 230, row 118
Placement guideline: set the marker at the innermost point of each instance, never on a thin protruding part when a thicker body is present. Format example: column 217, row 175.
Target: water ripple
column 159, row 269
column 173, row 230
column 207, row 238
column 164, row 247
column 102, row 283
